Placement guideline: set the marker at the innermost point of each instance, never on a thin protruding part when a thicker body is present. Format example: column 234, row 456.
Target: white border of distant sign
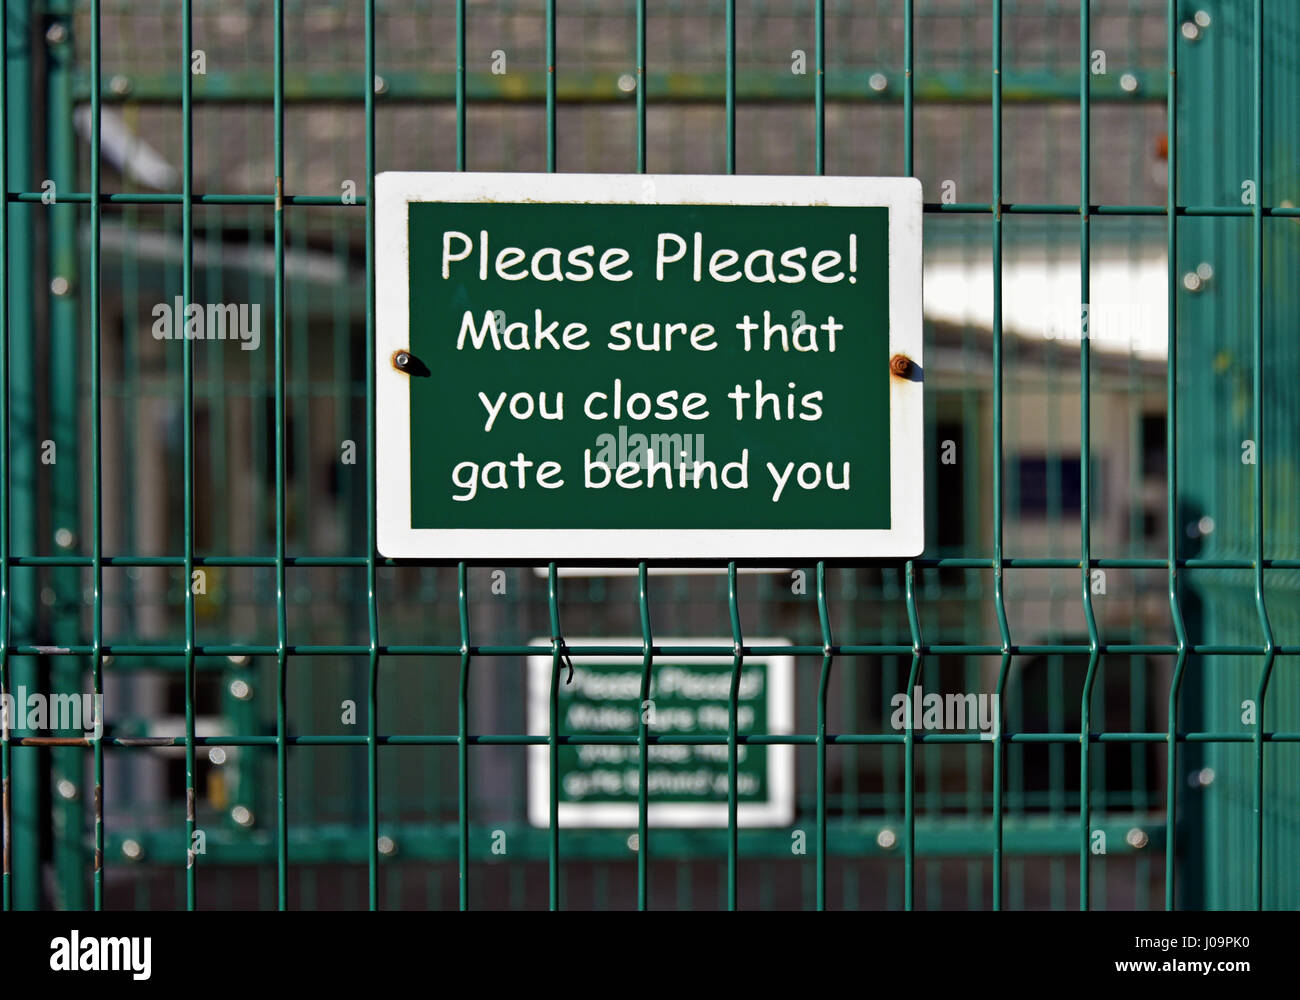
column 542, row 572
column 776, row 810
column 394, row 191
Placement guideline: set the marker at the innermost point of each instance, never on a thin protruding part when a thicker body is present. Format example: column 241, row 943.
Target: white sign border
column 776, row 811
column 394, row 191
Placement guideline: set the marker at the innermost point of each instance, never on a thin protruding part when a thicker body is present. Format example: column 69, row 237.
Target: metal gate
column 187, row 526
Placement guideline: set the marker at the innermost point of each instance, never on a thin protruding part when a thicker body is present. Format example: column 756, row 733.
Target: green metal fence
column 188, row 529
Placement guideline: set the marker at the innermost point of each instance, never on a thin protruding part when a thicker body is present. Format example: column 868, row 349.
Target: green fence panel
column 1238, row 455
column 187, row 527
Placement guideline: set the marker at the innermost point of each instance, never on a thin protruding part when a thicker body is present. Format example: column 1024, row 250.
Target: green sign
column 689, row 697
column 622, row 367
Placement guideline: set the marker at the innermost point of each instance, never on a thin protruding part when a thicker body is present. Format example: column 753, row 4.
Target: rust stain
column 99, row 826
column 8, row 837
column 901, row 366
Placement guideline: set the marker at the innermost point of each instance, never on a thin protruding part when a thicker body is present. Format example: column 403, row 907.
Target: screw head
column 886, row 838
column 241, row 689
column 634, row 842
column 1137, row 838
column 64, row 538
column 878, row 82
column 67, row 790
column 242, row 815
column 1190, row 31
column 56, row 33
column 387, row 846
column 1202, row 18
column 217, row 755
column 1204, row 270
column 1192, row 281
column 627, row 83
column 120, row 84
column 381, row 85
column 1128, row 83
column 59, row 285
column 132, row 849
column 401, row 360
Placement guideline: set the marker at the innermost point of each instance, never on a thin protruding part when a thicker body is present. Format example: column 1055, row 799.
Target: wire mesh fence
column 295, row 721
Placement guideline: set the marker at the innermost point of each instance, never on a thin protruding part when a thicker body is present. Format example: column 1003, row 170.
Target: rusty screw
column 402, row 361
column 900, row 365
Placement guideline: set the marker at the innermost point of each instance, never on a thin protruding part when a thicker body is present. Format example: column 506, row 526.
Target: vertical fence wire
column 819, row 87
column 913, row 619
column 462, row 575
column 909, row 748
column 553, row 735
column 460, row 84
column 550, row 86
column 823, row 615
column 96, row 459
column 1171, row 448
column 733, row 742
column 281, row 429
column 372, row 594
column 646, row 710
column 642, row 81
column 553, row 591
column 823, row 687
column 733, row 821
column 462, row 734
column 730, row 109
column 1085, row 447
column 6, row 820
column 643, row 587
column 909, row 88
column 23, row 842
column 999, row 592
column 1257, row 321
column 187, row 296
